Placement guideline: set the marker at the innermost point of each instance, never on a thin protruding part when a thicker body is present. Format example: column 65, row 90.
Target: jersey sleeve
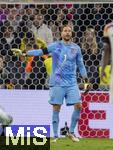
column 80, row 63
column 35, row 52
column 40, row 52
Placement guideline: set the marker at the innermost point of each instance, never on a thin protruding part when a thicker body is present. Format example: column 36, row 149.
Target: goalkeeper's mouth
column 67, row 37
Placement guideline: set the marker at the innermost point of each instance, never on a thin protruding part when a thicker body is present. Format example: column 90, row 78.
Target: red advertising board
column 96, row 116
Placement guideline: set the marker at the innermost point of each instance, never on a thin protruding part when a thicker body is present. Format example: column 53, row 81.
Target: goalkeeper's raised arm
column 40, row 52
column 37, row 52
column 34, row 52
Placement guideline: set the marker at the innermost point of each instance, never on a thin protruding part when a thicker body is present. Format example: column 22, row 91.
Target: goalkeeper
column 66, row 57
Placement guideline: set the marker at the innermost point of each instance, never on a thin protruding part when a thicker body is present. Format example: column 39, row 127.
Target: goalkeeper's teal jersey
column 65, row 60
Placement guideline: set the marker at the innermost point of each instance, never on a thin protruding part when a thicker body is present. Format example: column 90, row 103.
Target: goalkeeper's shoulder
column 76, row 47
column 55, row 44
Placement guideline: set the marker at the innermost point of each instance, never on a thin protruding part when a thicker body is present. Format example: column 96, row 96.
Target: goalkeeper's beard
column 67, row 40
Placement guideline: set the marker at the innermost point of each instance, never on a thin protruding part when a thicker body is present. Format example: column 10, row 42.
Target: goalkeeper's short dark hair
column 65, row 25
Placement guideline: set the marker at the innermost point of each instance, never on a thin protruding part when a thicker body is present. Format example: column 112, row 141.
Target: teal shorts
column 70, row 94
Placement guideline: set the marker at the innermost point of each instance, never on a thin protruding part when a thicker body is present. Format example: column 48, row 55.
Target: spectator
column 55, row 30
column 1, row 72
column 41, row 30
column 4, row 11
column 4, row 76
column 14, row 17
column 9, row 40
column 60, row 17
column 91, row 56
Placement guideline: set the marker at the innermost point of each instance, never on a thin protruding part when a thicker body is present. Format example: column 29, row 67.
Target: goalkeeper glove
column 18, row 52
column 87, row 85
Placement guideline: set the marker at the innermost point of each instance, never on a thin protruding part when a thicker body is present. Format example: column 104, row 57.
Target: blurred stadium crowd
column 35, row 26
